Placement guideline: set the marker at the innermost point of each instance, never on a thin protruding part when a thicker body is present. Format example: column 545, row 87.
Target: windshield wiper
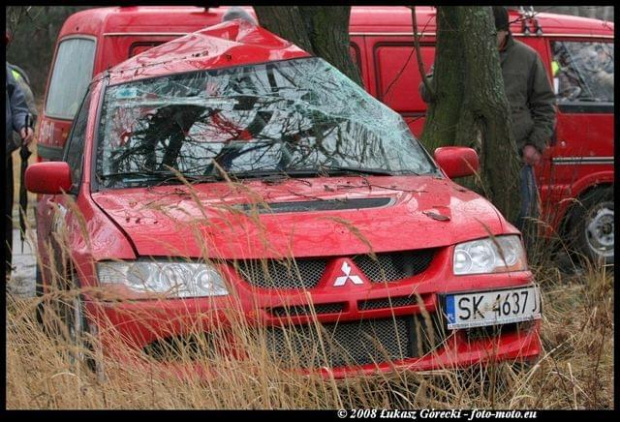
column 151, row 175
column 273, row 174
column 277, row 175
column 340, row 170
column 157, row 176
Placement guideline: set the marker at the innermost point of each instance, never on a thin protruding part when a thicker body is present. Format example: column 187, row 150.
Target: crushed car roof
column 232, row 43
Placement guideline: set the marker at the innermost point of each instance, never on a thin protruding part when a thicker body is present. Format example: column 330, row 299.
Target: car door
column 53, row 210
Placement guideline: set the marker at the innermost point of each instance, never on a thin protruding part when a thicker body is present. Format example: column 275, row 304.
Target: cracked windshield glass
column 296, row 118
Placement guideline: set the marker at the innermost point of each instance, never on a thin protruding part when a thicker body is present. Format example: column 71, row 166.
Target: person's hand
column 27, row 134
column 531, row 155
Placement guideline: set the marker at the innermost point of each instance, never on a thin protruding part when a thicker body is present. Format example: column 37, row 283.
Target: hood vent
column 317, row 205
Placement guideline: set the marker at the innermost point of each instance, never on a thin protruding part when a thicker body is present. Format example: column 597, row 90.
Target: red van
column 578, row 54
column 575, row 177
column 307, row 212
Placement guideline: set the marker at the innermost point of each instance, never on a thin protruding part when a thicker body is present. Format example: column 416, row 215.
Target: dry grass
column 574, row 372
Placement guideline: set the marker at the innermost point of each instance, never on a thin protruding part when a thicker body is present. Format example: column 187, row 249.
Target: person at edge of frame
column 18, row 119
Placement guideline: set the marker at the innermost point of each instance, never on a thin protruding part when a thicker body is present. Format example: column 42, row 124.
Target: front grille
column 394, row 266
column 286, row 274
column 325, row 308
column 301, row 346
column 394, row 302
column 306, row 272
column 350, row 343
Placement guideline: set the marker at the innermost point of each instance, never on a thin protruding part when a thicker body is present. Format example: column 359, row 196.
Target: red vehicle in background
column 575, row 178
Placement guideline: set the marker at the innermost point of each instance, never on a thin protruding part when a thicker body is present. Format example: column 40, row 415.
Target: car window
column 295, row 115
column 583, row 71
column 74, row 153
column 72, row 73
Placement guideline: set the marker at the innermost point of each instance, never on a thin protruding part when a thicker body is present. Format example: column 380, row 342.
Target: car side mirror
column 50, row 177
column 457, row 161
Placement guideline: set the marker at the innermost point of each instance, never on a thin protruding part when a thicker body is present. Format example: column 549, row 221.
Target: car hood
column 305, row 217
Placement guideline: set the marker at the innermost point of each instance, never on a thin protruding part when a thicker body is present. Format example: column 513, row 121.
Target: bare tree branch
column 416, row 43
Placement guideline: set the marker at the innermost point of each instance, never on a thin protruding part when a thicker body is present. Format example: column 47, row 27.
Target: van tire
column 591, row 229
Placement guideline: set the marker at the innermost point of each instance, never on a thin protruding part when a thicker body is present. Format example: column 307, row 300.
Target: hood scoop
column 317, row 205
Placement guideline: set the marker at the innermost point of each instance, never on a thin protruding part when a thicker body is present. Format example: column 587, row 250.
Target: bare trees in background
column 597, row 12
column 35, row 29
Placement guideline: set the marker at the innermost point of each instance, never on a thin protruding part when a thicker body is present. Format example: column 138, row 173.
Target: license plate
column 467, row 310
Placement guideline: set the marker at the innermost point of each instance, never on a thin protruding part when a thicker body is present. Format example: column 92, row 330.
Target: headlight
column 491, row 255
column 176, row 279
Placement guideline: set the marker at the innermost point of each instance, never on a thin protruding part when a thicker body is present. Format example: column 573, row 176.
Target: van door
column 393, row 66
column 582, row 154
column 358, row 51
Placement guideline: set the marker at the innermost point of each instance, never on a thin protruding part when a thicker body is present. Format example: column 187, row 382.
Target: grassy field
column 574, row 372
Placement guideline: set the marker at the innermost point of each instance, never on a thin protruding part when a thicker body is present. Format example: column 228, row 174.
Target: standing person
column 24, row 83
column 532, row 108
column 19, row 119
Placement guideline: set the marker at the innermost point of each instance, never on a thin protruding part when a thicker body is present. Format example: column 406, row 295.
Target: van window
column 583, row 71
column 398, row 76
column 141, row 47
column 72, row 73
column 75, row 144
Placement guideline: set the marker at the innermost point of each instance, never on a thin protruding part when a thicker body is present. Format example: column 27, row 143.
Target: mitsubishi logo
column 346, row 269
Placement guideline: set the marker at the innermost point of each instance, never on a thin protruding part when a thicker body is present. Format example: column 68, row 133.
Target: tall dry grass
column 575, row 370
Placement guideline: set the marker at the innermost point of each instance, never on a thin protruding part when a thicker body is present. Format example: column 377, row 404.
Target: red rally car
column 229, row 173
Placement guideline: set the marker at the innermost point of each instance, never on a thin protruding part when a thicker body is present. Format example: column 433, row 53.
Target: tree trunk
column 470, row 108
column 448, row 84
column 287, row 22
column 320, row 30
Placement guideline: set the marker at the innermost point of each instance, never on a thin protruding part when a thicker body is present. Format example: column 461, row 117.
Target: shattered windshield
column 297, row 117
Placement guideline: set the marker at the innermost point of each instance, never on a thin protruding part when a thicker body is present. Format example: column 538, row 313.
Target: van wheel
column 592, row 226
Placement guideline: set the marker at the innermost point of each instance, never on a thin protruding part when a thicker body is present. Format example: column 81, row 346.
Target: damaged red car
column 230, row 176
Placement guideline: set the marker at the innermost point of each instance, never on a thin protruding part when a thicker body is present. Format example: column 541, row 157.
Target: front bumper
column 140, row 325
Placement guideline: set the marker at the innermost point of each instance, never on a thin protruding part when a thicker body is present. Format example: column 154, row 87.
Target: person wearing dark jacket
column 17, row 119
column 532, row 108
